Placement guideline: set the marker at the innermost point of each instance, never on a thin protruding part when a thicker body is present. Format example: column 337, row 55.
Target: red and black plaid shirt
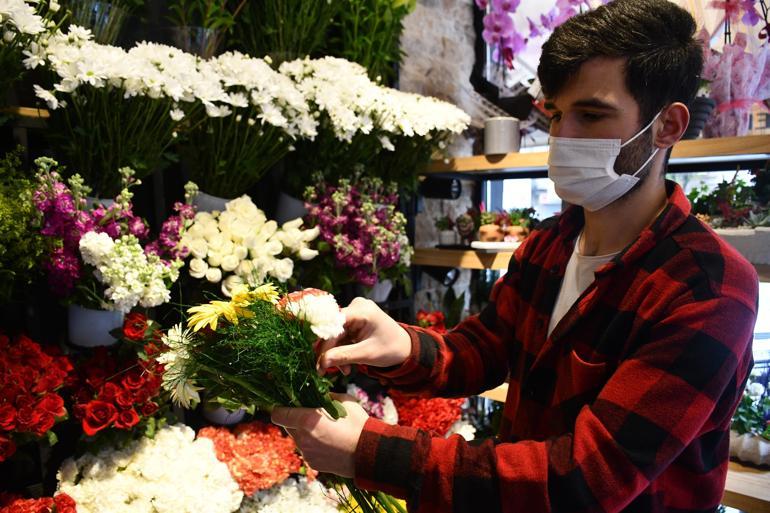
column 625, row 407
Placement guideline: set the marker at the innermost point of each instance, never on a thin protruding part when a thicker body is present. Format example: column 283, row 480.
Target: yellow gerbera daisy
column 232, row 310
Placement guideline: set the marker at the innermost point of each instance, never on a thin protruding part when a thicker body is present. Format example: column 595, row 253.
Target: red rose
column 53, row 404
column 7, row 417
column 7, row 448
column 27, row 418
column 109, row 392
column 133, row 380
column 64, row 503
column 124, row 399
column 44, row 424
column 127, row 419
column 98, row 415
column 135, row 326
column 149, row 408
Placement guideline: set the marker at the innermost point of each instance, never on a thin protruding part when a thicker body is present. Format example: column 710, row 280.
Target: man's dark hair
column 656, row 37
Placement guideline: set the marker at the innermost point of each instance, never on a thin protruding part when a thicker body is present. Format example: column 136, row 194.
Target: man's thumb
column 344, row 355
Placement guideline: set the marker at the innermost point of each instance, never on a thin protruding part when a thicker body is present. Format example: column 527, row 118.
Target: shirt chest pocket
column 579, row 378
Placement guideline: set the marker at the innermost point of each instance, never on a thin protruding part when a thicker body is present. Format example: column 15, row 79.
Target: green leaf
column 52, row 438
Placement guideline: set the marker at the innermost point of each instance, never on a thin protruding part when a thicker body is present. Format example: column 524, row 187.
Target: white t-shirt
column 577, row 277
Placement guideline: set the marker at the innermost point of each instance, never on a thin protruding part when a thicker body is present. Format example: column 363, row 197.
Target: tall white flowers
column 170, row 473
column 131, row 277
column 21, row 17
column 240, row 245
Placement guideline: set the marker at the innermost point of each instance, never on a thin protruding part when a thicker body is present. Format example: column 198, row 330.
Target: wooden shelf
column 733, row 150
column 461, row 258
column 747, row 488
column 28, row 112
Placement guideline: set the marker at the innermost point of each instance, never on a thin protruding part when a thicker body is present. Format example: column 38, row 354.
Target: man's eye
column 590, row 116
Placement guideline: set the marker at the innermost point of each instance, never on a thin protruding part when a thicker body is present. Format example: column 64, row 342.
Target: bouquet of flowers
column 23, row 24
column 257, row 349
column 61, row 503
column 30, row 404
column 266, row 111
column 433, row 320
column 96, row 258
column 170, row 473
column 20, row 250
column 115, row 108
column 242, row 241
column 122, row 390
column 362, row 234
column 259, row 455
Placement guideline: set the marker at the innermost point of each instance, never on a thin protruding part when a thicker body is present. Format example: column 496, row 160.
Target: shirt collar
column 673, row 215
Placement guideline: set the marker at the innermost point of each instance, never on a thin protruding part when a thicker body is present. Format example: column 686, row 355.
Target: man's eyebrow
column 594, row 103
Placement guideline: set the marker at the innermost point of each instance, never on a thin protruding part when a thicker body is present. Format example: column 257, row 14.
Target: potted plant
column 489, row 230
column 446, row 233
column 749, row 431
column 517, row 223
column 736, row 213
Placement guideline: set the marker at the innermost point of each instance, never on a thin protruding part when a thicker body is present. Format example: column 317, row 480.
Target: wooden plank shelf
column 466, row 259
column 747, row 488
column 734, row 150
column 28, row 112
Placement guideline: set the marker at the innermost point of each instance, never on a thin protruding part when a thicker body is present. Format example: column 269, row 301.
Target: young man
column 624, row 325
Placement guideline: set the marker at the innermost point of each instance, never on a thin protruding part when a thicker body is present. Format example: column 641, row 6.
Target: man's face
column 596, row 104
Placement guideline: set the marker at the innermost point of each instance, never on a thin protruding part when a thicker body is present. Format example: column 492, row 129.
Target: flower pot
column 380, row 292
column 501, row 135
column 93, row 202
column 207, row 203
column 752, row 243
column 700, row 111
column 200, row 41
column 221, row 415
column 91, row 328
column 491, row 233
column 447, row 237
column 289, row 208
column 750, row 448
column 103, row 18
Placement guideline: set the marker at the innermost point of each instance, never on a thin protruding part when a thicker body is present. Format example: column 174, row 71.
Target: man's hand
column 371, row 337
column 327, row 445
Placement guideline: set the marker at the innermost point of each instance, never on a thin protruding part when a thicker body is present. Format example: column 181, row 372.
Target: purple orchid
column 497, row 26
column 505, row 6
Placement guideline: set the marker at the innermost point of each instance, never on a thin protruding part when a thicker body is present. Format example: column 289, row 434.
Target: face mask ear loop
column 643, row 130
column 646, row 162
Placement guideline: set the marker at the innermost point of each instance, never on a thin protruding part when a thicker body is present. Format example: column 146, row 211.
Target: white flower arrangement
column 131, row 276
column 240, row 245
column 170, row 473
column 20, row 17
column 292, row 496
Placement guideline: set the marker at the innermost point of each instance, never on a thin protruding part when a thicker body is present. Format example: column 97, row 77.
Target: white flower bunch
column 319, row 309
column 292, row 496
column 21, row 17
column 251, row 82
column 243, row 242
column 170, row 473
column 184, row 392
column 463, row 428
column 148, row 69
column 339, row 88
column 355, row 104
column 131, row 277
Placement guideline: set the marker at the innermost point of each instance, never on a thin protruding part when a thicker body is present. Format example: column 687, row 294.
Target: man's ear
column 671, row 124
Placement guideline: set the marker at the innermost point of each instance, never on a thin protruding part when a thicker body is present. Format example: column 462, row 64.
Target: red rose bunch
column 62, row 503
column 258, row 455
column 120, row 390
column 434, row 415
column 433, row 320
column 29, row 379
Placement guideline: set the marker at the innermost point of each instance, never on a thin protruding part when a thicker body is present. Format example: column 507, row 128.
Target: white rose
column 230, row 263
column 243, row 207
column 241, row 230
column 306, row 254
column 271, row 248
column 269, row 229
column 283, row 269
column 227, row 247
column 215, row 259
column 755, row 390
column 230, row 283
column 292, row 225
column 216, row 242
column 214, row 274
column 198, row 268
column 204, row 218
column 195, row 231
column 240, row 252
column 198, row 248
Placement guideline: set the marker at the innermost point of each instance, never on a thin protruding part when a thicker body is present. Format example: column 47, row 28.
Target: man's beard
column 631, row 157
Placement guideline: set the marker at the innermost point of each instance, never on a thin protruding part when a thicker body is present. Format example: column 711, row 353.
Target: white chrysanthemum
column 463, row 428
column 172, row 472
column 319, row 309
column 292, row 496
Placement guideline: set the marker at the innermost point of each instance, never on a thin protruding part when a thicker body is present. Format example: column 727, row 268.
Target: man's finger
column 341, row 356
column 293, row 418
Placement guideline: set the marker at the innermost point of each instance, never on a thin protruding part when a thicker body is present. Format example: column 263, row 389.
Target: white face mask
column 583, row 170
